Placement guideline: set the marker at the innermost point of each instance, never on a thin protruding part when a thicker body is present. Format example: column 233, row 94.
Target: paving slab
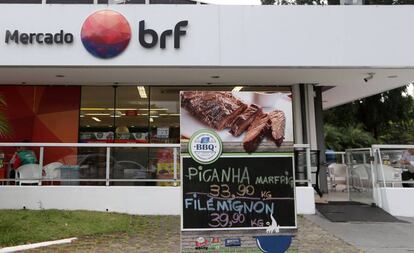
column 373, row 237
column 165, row 237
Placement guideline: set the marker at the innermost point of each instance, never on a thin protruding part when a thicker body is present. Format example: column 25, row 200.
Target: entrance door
column 360, row 175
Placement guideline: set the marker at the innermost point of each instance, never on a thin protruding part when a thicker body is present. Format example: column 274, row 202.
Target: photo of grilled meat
column 221, row 110
column 277, row 126
column 216, row 109
column 243, row 121
column 256, row 132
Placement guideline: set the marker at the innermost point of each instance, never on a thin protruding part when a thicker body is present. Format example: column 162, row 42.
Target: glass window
column 131, row 163
column 131, row 114
column 165, row 114
column 97, row 118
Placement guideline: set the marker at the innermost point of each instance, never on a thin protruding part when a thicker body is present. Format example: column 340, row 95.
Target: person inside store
column 407, row 162
column 22, row 156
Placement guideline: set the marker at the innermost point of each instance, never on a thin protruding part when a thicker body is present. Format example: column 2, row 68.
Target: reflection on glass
column 131, row 114
column 97, row 114
column 131, row 163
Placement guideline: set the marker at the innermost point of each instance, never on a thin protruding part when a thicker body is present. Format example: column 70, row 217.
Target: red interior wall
column 43, row 114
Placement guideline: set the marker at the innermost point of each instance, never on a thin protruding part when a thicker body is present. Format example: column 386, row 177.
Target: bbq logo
column 201, row 243
column 205, row 146
column 106, row 34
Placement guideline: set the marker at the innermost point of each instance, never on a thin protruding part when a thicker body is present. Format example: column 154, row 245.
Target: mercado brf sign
column 228, row 182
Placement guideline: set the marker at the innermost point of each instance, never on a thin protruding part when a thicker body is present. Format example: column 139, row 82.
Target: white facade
column 123, row 199
column 252, row 45
column 324, row 45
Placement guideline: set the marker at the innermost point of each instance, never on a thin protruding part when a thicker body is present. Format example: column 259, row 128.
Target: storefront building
column 95, row 87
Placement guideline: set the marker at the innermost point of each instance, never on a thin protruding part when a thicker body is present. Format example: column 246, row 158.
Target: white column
column 297, row 115
column 310, row 119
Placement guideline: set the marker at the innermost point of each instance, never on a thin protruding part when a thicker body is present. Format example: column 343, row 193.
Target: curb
column 36, row 245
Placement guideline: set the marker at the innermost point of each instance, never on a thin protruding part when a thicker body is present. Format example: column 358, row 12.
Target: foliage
column 401, row 132
column 24, row 226
column 376, row 111
column 341, row 138
column 5, row 130
column 383, row 118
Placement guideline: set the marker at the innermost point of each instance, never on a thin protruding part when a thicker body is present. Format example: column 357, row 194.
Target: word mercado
column 39, row 38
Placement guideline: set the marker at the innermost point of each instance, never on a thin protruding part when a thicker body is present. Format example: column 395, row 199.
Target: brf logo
column 205, row 146
column 106, row 34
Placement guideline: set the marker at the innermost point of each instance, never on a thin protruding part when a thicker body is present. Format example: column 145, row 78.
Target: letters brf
column 177, row 33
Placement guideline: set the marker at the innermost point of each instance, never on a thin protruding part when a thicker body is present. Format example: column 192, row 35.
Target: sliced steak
column 216, row 109
column 277, row 120
column 243, row 121
column 257, row 130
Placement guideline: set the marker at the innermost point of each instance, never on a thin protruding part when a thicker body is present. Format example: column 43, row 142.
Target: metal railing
column 336, row 154
column 390, row 169
column 308, row 167
column 107, row 150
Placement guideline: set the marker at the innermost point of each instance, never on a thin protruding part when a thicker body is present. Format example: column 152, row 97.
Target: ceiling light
column 237, row 88
column 82, row 116
column 97, row 114
column 151, row 120
column 153, row 109
column 96, row 119
column 392, row 76
column 154, row 116
column 142, row 92
column 92, row 109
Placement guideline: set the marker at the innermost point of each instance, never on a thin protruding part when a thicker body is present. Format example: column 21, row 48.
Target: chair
column 52, row 171
column 32, row 172
column 338, row 175
column 361, row 177
column 391, row 175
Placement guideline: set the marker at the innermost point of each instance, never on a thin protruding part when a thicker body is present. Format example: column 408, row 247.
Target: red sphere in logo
column 105, row 34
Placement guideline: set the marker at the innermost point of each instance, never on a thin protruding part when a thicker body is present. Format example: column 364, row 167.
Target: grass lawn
column 26, row 226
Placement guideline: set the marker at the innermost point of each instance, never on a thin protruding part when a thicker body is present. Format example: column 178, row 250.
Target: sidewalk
column 372, row 237
column 165, row 237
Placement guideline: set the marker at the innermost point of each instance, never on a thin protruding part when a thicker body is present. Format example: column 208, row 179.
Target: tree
column 377, row 111
column 383, row 118
column 352, row 136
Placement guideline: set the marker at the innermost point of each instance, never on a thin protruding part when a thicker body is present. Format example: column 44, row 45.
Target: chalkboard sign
column 238, row 192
